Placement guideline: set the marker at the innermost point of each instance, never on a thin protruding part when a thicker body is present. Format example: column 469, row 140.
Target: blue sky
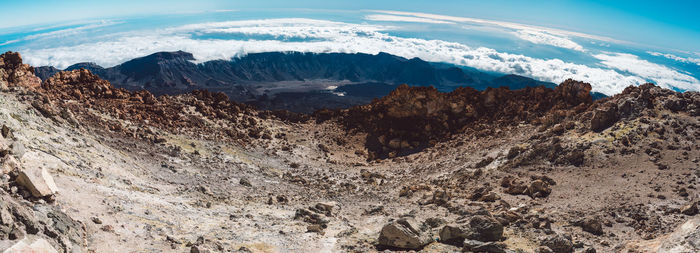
column 610, row 44
column 671, row 25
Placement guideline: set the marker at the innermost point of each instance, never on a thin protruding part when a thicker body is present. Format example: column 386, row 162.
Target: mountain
column 176, row 70
column 270, row 80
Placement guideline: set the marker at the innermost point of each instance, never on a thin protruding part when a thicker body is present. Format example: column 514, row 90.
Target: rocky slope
column 91, row 168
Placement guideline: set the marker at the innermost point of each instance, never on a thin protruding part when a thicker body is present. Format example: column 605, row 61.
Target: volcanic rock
column 604, row 117
column 592, row 225
column 480, row 227
column 477, row 246
column 404, row 233
column 690, row 209
column 558, row 244
column 538, row 189
column 412, row 118
column 14, row 73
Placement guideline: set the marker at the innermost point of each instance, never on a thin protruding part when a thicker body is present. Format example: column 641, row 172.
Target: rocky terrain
column 87, row 167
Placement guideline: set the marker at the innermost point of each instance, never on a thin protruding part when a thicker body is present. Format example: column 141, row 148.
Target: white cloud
column 533, row 34
column 63, row 32
column 662, row 75
column 539, row 37
column 10, row 42
column 511, row 25
column 678, row 58
column 394, row 18
column 325, row 36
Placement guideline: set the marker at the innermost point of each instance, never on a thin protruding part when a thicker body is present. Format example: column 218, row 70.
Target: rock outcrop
column 412, row 118
column 13, row 72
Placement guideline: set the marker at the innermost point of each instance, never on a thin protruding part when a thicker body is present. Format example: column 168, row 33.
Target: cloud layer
column 690, row 60
column 533, row 34
column 614, row 73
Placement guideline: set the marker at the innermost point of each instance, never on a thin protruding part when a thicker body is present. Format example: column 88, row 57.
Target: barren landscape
column 87, row 167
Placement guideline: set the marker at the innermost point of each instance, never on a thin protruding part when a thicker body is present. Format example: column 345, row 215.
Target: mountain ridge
column 260, row 77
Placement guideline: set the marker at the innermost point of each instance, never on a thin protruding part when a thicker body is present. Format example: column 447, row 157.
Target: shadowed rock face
column 410, row 119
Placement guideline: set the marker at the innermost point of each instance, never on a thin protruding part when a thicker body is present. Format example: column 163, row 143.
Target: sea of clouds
column 613, row 73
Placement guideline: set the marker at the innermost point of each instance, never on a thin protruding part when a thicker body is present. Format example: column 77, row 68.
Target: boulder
column 38, row 181
column 453, row 234
column 538, row 189
column 480, row 227
column 29, row 246
column 404, row 233
column 485, row 228
column 478, row 246
column 591, row 225
column 245, row 182
column 558, row 244
column 324, row 208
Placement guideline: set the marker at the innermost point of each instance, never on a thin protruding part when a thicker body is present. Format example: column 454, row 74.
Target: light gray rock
column 38, row 181
column 9, row 164
column 685, row 238
column 17, row 150
column 28, row 245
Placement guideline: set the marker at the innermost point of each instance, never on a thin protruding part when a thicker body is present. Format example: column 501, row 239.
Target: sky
column 610, row 44
column 669, row 24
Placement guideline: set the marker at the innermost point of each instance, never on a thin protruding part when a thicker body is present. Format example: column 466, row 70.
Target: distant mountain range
column 295, row 81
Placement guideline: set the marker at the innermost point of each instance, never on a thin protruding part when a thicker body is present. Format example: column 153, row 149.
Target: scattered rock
column 245, row 182
column 404, row 233
column 558, row 244
column 478, row 246
column 9, row 164
column 199, row 249
column 6, row 132
column 314, row 228
column 324, row 208
column 592, row 225
column 690, row 209
column 107, row 228
column 538, row 189
column 96, row 220
column 311, row 217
